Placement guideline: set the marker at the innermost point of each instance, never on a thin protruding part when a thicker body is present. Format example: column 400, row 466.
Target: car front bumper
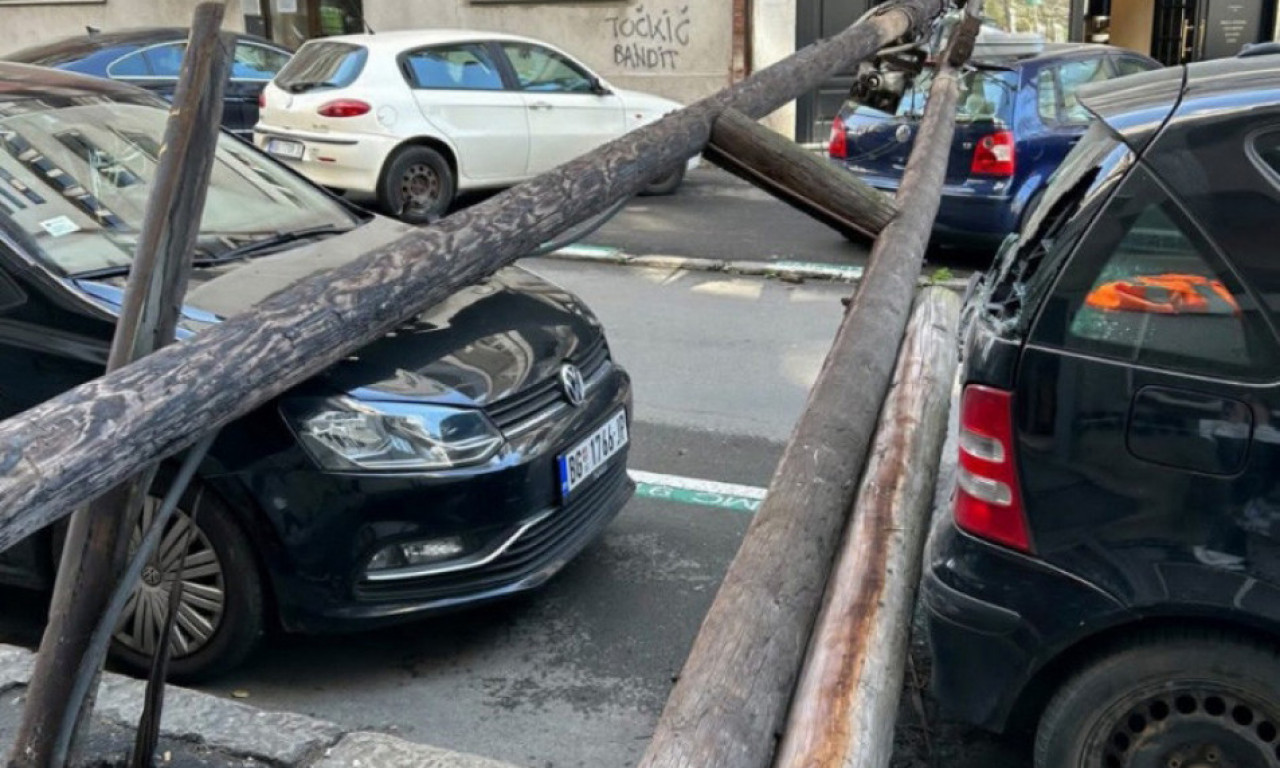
column 351, row 162
column 519, row 531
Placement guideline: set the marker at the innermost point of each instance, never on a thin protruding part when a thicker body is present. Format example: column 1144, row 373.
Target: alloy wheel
column 203, row 599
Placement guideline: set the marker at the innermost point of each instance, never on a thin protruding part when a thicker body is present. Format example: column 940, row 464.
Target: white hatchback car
column 414, row 117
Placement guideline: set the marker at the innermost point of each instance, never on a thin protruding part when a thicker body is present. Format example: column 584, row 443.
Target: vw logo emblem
column 903, row 134
column 574, row 387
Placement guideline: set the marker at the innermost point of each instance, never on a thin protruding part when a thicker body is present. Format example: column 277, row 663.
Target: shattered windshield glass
column 75, row 177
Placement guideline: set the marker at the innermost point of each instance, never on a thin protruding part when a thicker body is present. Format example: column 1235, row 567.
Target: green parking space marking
column 703, row 493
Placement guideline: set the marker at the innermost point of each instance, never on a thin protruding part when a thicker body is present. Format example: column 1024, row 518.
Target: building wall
column 1131, row 22
column 34, row 22
column 773, row 38
column 680, row 49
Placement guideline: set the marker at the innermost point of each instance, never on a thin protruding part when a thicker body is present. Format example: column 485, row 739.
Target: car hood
column 483, row 343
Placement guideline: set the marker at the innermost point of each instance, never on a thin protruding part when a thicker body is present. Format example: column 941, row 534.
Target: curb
column 785, row 270
column 239, row 734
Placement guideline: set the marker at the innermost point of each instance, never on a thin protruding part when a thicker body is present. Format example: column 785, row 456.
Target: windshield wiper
column 308, row 85
column 94, row 274
column 269, row 242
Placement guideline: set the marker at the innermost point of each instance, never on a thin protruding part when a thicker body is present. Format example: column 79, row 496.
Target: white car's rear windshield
column 322, row 64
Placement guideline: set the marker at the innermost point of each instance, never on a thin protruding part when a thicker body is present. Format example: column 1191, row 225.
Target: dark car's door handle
column 1191, row 430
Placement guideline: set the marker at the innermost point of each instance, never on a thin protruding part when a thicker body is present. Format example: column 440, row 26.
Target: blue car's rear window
column 984, row 95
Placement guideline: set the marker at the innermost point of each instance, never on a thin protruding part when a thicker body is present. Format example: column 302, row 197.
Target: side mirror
column 599, row 88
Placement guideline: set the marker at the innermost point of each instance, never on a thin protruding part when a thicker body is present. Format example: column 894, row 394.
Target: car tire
column 666, row 185
column 417, row 185
column 220, row 566
column 1190, row 697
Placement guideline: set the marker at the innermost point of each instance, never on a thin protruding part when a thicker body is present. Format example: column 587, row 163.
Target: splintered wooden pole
column 796, row 176
column 97, row 539
column 845, row 706
column 729, row 704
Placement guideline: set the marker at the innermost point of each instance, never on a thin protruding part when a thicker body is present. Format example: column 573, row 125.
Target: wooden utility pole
column 799, row 178
column 97, row 539
column 846, row 704
column 728, row 707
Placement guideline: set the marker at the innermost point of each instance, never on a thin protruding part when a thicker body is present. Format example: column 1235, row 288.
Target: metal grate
column 518, row 412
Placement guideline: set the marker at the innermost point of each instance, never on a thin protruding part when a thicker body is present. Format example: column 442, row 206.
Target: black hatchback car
column 151, row 58
column 465, row 456
column 1111, row 576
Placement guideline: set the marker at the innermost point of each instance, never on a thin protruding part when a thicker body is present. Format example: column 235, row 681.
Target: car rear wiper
column 101, row 272
column 309, row 85
column 271, row 241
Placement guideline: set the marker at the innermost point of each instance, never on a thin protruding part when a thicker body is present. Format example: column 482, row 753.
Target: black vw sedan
column 462, row 457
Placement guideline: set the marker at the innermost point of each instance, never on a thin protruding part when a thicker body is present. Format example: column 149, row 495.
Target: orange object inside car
column 1170, row 294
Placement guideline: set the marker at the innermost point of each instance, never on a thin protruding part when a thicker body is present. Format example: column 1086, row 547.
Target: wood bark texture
column 847, row 700
column 74, row 446
column 96, row 543
column 799, row 178
column 728, row 706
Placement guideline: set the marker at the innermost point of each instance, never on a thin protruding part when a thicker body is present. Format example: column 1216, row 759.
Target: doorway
column 293, row 22
column 817, row 20
column 1179, row 31
column 1173, row 31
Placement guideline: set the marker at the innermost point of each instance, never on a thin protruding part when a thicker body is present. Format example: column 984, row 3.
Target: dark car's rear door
column 1145, row 411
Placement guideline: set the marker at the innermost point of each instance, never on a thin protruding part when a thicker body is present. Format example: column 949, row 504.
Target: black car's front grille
column 512, row 414
column 551, row 541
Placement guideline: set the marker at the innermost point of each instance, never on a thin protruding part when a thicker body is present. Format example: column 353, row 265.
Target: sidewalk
column 203, row 731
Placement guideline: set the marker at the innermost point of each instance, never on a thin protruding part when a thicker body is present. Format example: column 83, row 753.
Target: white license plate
column 582, row 461
column 285, row 148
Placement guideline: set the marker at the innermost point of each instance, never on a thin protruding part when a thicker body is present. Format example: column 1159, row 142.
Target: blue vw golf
column 1017, row 119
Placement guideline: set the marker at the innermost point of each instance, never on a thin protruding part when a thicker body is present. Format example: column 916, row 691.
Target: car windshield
column 322, row 64
column 75, row 177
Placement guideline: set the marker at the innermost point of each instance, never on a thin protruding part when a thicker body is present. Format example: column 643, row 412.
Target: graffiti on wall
column 650, row 39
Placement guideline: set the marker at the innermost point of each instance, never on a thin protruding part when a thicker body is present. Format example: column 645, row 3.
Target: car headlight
column 345, row 434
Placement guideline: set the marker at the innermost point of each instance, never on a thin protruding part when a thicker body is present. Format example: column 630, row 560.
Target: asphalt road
column 717, row 215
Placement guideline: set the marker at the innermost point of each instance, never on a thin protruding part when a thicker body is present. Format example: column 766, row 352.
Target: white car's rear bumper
column 342, row 161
